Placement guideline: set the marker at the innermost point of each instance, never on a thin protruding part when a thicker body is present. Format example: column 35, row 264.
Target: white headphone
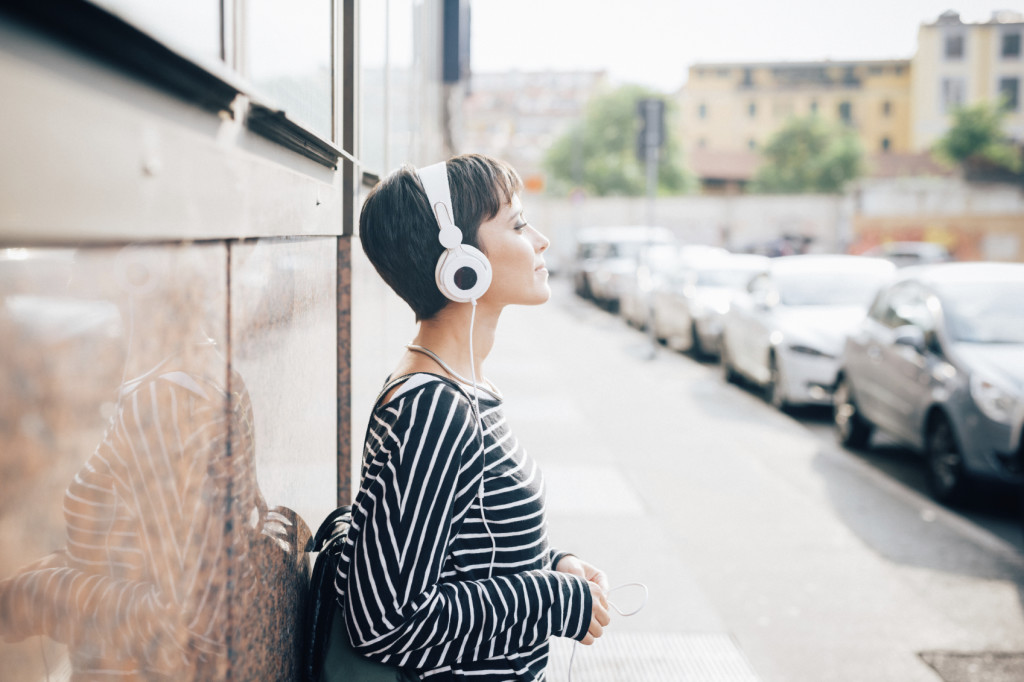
column 457, row 257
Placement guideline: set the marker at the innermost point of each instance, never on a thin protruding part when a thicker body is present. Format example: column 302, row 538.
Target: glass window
column 908, row 306
column 752, row 109
column 702, row 111
column 1009, row 93
column 289, row 58
column 954, row 46
column 845, row 112
column 886, row 144
column 191, row 27
column 952, row 94
column 1011, row 45
column 373, row 60
column 886, row 108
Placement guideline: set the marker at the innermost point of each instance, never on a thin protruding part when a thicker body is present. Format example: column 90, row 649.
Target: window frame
column 119, row 43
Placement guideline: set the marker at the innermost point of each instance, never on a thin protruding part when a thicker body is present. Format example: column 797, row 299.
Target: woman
column 447, row 570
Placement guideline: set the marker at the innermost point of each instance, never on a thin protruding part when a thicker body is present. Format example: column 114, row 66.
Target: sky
column 653, row 42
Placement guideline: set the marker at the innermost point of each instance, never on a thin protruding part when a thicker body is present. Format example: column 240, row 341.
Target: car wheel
column 727, row 369
column 947, row 476
column 852, row 430
column 775, row 391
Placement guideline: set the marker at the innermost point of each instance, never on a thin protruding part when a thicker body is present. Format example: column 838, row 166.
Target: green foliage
column 977, row 134
column 809, row 155
column 598, row 154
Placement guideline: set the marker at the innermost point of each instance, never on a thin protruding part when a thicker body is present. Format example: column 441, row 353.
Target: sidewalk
column 750, row 534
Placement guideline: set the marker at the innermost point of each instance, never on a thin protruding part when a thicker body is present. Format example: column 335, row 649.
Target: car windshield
column 730, row 279
column 828, row 288
column 984, row 312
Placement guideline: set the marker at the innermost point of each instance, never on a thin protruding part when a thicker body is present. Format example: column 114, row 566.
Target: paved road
column 770, row 553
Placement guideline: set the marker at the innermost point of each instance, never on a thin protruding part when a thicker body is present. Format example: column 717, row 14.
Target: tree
column 598, row 154
column 976, row 136
column 809, row 155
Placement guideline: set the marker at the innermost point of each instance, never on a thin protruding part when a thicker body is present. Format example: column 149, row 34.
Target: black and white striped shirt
column 417, row 579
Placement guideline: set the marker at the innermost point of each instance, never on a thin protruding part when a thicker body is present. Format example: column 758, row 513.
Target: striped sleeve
column 425, row 474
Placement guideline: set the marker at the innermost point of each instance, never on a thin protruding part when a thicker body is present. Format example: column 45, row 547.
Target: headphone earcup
column 451, row 273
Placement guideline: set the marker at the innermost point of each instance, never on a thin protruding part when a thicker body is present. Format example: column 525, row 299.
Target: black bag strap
column 321, row 604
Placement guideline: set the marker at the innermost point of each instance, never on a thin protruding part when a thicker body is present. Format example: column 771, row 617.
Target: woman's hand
column 597, row 581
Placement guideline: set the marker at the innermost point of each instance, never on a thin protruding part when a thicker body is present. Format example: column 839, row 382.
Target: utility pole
column 649, row 141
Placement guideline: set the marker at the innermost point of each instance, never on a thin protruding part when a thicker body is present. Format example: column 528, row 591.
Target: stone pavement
column 764, row 551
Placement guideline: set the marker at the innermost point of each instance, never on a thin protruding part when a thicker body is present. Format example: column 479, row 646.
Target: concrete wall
column 975, row 221
column 737, row 222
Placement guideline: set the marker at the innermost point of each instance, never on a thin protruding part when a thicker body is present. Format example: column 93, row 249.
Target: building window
column 886, row 144
column 702, row 143
column 952, row 94
column 814, row 106
column 954, row 46
column 752, row 143
column 748, row 76
column 1009, row 93
column 702, row 111
column 886, row 108
column 752, row 109
column 845, row 112
column 1011, row 45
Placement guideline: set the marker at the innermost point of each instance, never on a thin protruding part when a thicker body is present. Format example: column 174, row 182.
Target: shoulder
column 421, row 390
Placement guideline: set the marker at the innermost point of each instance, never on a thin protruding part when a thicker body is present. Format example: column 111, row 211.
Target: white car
column 614, row 258
column 688, row 313
column 787, row 331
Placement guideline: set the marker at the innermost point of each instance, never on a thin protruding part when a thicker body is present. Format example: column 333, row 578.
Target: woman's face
column 515, row 250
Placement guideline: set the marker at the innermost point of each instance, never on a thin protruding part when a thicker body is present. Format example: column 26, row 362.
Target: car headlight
column 994, row 399
column 807, row 350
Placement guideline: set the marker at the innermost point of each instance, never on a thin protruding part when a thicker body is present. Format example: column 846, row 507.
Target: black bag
column 328, row 655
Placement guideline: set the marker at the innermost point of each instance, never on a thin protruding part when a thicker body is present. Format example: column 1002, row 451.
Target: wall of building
column 735, row 107
column 174, row 305
column 941, row 82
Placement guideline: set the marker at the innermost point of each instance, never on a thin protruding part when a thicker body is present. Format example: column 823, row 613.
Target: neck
column 447, row 335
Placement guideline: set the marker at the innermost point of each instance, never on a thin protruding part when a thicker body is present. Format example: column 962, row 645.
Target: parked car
column 786, row 331
column 655, row 264
column 687, row 313
column 612, row 254
column 903, row 254
column 938, row 364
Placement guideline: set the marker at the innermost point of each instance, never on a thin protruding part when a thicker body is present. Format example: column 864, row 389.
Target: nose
column 541, row 242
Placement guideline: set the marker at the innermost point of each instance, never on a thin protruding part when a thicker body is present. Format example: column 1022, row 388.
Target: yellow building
column 960, row 64
column 737, row 107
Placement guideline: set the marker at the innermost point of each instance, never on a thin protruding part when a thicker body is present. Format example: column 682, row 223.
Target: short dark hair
column 399, row 232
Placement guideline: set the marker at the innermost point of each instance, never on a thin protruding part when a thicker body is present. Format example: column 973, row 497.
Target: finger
column 601, row 615
column 596, row 629
column 587, row 640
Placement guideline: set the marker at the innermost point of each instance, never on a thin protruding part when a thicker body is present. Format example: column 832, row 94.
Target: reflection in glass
column 167, row 548
column 192, row 27
column 289, row 57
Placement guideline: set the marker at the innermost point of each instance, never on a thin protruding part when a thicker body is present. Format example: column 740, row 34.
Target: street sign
column 652, row 126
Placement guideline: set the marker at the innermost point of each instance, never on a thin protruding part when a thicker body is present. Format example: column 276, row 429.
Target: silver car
column 786, row 332
column 939, row 365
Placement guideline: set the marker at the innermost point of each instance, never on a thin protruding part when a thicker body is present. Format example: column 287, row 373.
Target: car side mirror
column 909, row 335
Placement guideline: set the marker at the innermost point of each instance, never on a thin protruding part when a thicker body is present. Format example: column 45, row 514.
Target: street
column 770, row 553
